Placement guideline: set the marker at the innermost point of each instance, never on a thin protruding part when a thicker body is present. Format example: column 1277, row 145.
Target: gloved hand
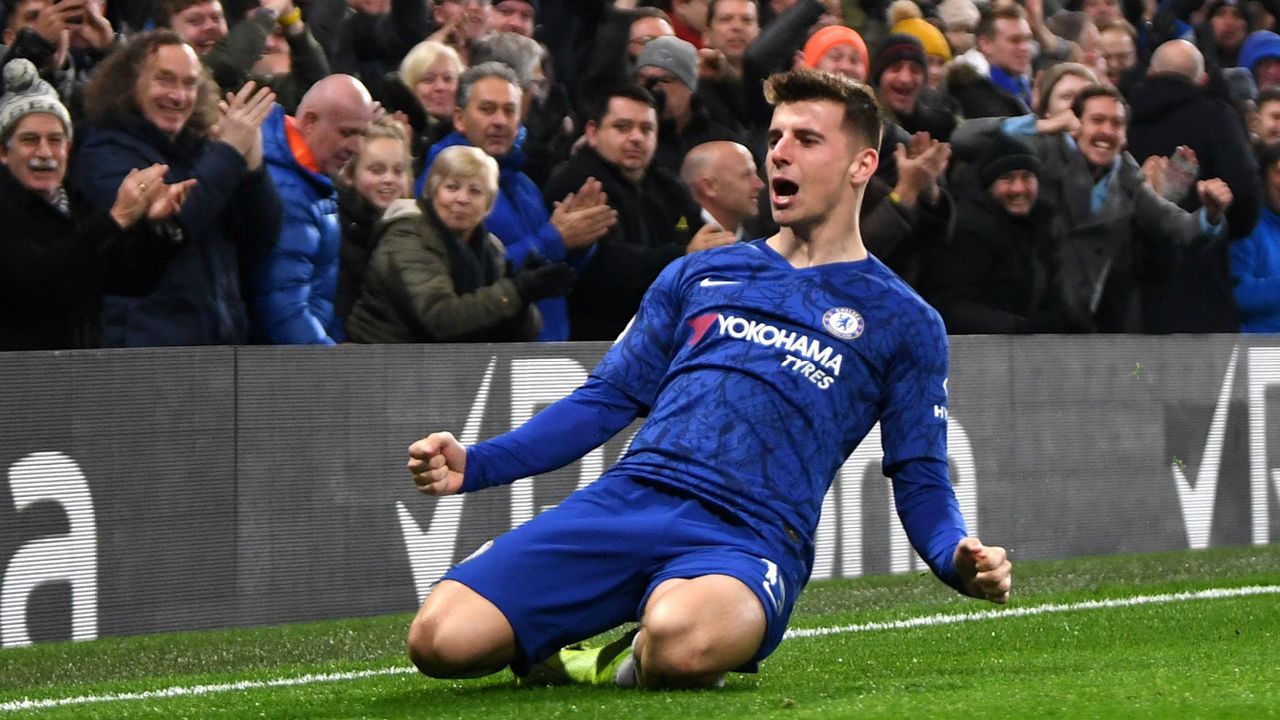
column 538, row 279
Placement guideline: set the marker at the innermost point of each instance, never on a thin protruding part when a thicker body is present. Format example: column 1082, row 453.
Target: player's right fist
column 437, row 463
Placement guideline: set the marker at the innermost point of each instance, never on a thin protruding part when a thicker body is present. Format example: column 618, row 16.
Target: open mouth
column 783, row 188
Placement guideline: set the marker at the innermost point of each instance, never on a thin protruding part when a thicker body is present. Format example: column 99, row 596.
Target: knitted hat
column 830, row 36
column 929, row 36
column 1005, row 154
column 957, row 14
column 675, row 56
column 26, row 93
column 892, row 48
column 1259, row 46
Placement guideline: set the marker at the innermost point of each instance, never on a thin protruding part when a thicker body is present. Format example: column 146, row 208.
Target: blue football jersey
column 762, row 378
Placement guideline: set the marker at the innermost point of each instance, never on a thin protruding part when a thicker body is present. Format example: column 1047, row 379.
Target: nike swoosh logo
column 708, row 282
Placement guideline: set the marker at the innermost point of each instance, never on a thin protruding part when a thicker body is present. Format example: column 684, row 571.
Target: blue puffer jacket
column 230, row 212
column 294, row 287
column 1255, row 263
column 521, row 221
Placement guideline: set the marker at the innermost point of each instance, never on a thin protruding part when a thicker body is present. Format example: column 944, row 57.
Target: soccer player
column 761, row 366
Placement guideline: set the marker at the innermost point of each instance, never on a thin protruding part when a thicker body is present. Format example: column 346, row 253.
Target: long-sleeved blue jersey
column 759, row 380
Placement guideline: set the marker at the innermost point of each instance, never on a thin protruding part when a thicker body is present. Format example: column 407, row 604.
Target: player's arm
column 572, row 426
column 914, row 431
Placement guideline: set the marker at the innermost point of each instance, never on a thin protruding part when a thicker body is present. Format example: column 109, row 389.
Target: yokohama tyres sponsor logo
column 805, row 354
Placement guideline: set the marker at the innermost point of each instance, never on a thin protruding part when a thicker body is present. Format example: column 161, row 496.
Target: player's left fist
column 985, row 570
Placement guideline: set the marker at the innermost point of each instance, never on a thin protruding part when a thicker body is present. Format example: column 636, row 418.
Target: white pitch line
column 1017, row 612
column 927, row 621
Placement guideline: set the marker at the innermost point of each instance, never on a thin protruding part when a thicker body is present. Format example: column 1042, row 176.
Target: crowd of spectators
column 195, row 172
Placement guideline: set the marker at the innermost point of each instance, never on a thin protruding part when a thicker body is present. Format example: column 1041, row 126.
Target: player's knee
column 675, row 648
column 435, row 649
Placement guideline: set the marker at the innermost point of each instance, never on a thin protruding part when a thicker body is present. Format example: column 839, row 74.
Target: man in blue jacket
column 294, row 286
column 488, row 117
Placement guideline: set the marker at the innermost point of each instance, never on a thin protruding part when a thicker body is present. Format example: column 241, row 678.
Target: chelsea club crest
column 844, row 323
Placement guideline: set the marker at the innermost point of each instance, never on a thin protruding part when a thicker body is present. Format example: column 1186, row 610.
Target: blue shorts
column 590, row 563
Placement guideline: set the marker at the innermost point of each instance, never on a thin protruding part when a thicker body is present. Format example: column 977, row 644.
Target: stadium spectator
column 732, row 26
column 675, row 533
column 459, row 23
column 149, row 102
column 63, row 39
column 959, row 20
column 668, row 68
column 1171, row 109
column 1119, row 44
column 60, row 254
column 689, row 20
column 377, row 176
column 1260, row 55
column 657, row 220
column 1102, row 11
column 618, row 43
column 1265, row 122
column 898, row 75
column 271, row 45
column 514, row 16
column 545, row 114
column 1112, row 225
column 722, row 177
column 905, row 18
column 1223, row 31
column 425, row 89
column 488, row 115
column 437, row 275
column 837, row 49
column 992, row 79
column 1057, row 87
column 373, row 36
column 1255, row 260
column 296, row 284
column 997, row 275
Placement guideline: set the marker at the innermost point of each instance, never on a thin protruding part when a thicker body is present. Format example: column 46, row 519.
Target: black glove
column 538, row 280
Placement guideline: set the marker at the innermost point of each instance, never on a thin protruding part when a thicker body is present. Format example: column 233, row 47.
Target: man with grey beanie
column 58, row 254
column 668, row 68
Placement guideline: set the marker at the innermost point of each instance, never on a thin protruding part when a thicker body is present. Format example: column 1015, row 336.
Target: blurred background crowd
column 194, row 172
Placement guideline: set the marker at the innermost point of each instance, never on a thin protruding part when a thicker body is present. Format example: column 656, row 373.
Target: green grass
column 1217, row 658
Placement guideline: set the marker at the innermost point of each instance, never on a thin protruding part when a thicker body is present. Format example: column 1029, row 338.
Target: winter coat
column 423, row 284
column 357, row 216
column 231, row 60
column 1168, row 111
column 656, row 219
column 1103, row 254
column 55, row 267
column 998, row 274
column 295, row 285
column 520, row 219
column 228, row 213
column 978, row 96
column 1255, row 265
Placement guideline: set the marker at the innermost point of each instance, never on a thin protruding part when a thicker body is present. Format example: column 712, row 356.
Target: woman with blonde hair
column 437, row 275
column 425, row 89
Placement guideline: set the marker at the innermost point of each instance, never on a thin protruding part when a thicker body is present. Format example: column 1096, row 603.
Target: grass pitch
column 1059, row 650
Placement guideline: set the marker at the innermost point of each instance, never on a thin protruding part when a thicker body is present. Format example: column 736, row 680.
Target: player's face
column 811, row 163
column 1101, row 136
column 1016, row 191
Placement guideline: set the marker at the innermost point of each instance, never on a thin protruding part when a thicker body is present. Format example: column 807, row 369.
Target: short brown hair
column 1093, row 91
column 861, row 112
column 109, row 94
column 987, row 18
column 166, row 9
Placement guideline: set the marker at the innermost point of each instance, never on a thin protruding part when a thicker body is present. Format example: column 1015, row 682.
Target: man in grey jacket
column 1114, row 227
